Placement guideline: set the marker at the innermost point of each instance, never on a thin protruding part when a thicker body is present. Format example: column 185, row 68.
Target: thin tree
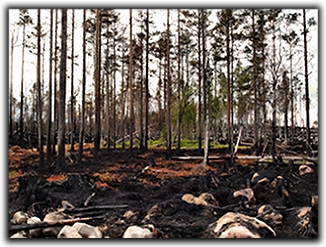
column 82, row 128
column 199, row 130
column 13, row 41
column 168, row 89
column 55, row 102
column 24, row 20
column 131, row 105
column 62, row 93
column 49, row 124
column 146, row 81
column 205, row 91
column 72, row 100
column 97, row 78
column 306, row 81
column 179, row 87
column 39, row 90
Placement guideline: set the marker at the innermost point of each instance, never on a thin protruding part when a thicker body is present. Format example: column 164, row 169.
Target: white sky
column 160, row 18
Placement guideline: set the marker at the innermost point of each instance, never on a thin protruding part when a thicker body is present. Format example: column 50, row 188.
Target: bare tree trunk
column 306, row 82
column 168, row 103
column 179, row 89
column 206, row 90
column 72, row 110
column 55, row 102
column 62, row 93
column 49, row 131
column 82, row 128
column 22, row 86
column 199, row 131
column 131, row 105
column 146, row 81
column 97, row 78
column 12, row 46
column 39, row 89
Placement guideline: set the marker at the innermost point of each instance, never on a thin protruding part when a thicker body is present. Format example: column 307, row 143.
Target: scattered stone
column 68, row 232
column 19, row 217
column 87, row 231
column 269, row 214
column 137, row 232
column 248, row 193
column 237, row 225
column 53, row 216
column 34, row 233
column 18, row 235
column 304, row 169
column 191, row 199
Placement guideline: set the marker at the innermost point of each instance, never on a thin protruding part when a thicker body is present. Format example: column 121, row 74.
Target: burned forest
column 163, row 123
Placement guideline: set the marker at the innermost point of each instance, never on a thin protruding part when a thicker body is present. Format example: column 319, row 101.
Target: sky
column 30, row 60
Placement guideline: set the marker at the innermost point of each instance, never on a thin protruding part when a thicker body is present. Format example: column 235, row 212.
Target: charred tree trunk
column 62, row 93
column 146, row 81
column 55, row 102
column 39, row 90
column 49, row 124
column 97, row 78
column 131, row 105
column 306, row 81
column 168, row 103
column 206, row 90
column 179, row 89
column 199, row 130
column 21, row 124
column 72, row 110
column 82, row 128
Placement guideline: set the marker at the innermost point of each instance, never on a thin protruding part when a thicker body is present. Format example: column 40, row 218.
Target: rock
column 87, row 231
column 137, row 232
column 68, row 232
column 19, row 217
column 237, row 225
column 248, row 193
column 209, row 198
column 191, row 199
column 304, row 169
column 53, row 216
column 18, row 235
column 34, row 233
column 269, row 214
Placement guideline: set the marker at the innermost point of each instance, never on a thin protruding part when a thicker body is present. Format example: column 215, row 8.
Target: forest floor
column 151, row 188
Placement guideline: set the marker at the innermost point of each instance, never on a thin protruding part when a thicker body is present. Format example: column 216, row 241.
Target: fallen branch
column 72, row 210
column 238, row 141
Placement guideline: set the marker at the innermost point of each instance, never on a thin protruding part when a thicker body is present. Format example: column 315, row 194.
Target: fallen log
column 90, row 208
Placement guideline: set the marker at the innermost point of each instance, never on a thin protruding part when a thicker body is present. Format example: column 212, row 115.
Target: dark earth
column 139, row 180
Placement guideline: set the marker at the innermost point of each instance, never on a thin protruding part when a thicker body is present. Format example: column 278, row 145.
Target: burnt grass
column 138, row 180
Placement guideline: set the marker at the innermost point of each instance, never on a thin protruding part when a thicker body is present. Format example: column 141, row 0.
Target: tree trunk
column 199, row 131
column 22, row 86
column 82, row 128
column 97, row 78
column 306, row 82
column 131, row 105
column 62, row 93
column 179, row 89
column 146, row 81
column 55, row 102
column 49, row 130
column 72, row 110
column 206, row 90
column 168, row 103
column 39, row 90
